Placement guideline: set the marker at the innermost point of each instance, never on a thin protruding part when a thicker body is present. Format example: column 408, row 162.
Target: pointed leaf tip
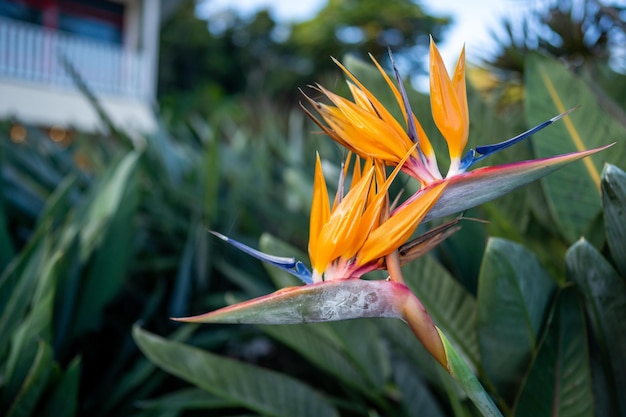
column 296, row 268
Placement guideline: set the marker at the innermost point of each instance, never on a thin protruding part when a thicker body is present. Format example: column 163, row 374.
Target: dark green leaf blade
column 187, row 399
column 605, row 301
column 513, row 295
column 63, row 400
column 317, row 344
column 559, row 381
column 260, row 390
column 572, row 193
column 109, row 226
column 614, row 204
column 34, row 384
column 416, row 397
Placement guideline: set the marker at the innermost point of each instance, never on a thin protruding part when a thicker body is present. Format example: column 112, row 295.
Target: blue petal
column 290, row 265
column 484, row 151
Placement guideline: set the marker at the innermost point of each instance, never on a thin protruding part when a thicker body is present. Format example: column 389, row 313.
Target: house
column 113, row 45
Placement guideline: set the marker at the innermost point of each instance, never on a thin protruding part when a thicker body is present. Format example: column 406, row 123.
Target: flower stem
column 416, row 316
column 392, row 263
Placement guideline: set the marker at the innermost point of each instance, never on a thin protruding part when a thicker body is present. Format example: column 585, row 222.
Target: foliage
column 225, row 54
column 531, row 339
column 580, row 32
column 111, row 231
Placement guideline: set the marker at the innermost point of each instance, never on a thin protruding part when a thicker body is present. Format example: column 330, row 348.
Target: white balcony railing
column 32, row 53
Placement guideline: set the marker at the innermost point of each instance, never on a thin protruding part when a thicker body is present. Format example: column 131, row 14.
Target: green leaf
column 514, row 292
column 33, row 328
column 187, row 399
column 17, row 287
column 34, row 384
column 371, row 357
column 605, row 302
column 468, row 381
column 142, row 374
column 262, row 391
column 614, row 203
column 180, row 298
column 416, row 397
column 6, row 246
column 572, row 193
column 559, row 381
column 109, row 228
column 451, row 307
column 338, row 349
column 403, row 344
column 318, row 344
column 63, row 400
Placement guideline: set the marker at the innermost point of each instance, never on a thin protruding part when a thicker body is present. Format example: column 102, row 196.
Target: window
column 95, row 19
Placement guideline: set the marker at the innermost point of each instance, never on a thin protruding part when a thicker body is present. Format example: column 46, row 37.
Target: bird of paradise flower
column 363, row 231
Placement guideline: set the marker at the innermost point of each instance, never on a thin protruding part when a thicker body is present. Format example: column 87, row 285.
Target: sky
column 472, row 19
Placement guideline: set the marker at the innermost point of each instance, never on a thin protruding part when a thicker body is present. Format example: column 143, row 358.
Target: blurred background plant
column 108, row 230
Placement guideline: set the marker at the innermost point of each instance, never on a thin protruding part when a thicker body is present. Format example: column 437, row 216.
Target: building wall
column 123, row 76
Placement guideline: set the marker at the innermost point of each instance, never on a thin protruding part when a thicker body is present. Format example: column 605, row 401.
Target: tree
column 204, row 60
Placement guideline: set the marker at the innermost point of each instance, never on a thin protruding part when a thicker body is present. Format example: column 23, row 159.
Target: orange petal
column 458, row 81
column 424, row 142
column 320, row 213
column 399, row 227
column 342, row 228
column 449, row 114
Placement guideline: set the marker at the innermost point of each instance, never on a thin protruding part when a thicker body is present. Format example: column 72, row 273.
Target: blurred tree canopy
column 579, row 32
column 206, row 59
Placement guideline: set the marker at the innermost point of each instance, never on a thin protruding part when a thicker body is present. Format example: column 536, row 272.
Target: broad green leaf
column 403, row 344
column 142, row 374
column 514, row 292
column 338, row 348
column 573, row 192
column 371, row 357
column 559, row 381
column 34, row 384
column 605, row 301
column 259, row 390
column 187, row 399
column 63, row 399
column 468, row 381
column 451, row 307
column 109, row 228
column 614, row 203
column 318, row 344
column 416, row 397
